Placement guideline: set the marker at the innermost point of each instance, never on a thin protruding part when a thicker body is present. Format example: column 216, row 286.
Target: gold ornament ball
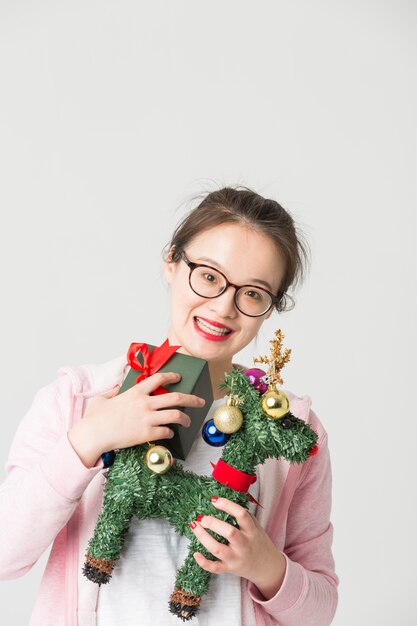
column 228, row 418
column 275, row 403
column 158, row 459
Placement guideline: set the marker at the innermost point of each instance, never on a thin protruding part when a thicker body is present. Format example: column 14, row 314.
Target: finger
column 156, row 380
column 217, row 549
column 113, row 392
column 215, row 567
column 162, row 432
column 242, row 515
column 172, row 416
column 222, row 528
column 175, row 398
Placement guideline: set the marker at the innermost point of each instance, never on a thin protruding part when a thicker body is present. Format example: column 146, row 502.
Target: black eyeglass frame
column 192, row 266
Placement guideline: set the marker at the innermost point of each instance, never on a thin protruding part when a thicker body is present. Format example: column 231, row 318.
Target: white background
column 113, row 114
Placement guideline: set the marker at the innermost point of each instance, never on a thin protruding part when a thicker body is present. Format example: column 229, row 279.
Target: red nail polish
column 199, row 518
column 214, row 499
column 193, row 525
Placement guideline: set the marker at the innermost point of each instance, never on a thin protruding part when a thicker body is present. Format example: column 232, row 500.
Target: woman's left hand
column 250, row 552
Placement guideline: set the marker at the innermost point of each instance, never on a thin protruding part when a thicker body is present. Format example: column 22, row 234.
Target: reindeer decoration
column 268, row 429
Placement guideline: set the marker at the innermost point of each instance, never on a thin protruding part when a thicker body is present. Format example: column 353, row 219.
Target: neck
column 217, row 370
column 239, row 452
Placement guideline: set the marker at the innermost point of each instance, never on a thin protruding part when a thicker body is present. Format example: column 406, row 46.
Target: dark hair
column 243, row 206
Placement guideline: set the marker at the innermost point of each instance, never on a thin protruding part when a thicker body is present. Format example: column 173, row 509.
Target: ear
column 169, row 267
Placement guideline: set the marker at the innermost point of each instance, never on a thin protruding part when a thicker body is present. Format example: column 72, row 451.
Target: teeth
column 210, row 328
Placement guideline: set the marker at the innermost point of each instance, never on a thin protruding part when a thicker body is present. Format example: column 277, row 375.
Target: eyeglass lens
column 209, row 283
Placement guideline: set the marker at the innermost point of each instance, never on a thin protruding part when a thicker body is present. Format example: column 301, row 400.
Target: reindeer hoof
column 183, row 604
column 98, row 570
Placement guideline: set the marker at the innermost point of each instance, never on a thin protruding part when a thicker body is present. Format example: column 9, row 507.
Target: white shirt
column 144, row 577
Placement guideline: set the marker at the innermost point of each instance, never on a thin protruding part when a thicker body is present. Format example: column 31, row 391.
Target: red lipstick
column 210, row 336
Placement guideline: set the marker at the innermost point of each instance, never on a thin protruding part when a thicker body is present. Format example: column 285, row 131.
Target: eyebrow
column 251, row 280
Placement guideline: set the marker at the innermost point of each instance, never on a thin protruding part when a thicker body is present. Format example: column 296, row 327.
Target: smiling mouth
column 209, row 328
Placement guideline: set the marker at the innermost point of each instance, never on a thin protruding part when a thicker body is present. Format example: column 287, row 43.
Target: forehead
column 242, row 253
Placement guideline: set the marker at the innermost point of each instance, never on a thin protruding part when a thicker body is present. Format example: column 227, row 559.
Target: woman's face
column 243, row 255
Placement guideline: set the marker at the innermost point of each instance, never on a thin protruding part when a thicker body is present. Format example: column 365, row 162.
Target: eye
column 256, row 295
column 212, row 278
column 286, row 422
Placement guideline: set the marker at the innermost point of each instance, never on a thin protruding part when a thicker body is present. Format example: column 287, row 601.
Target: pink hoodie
column 49, row 496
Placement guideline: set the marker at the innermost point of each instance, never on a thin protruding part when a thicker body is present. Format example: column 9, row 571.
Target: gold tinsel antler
column 277, row 359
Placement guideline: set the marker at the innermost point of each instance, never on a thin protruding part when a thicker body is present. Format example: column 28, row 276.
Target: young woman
column 229, row 265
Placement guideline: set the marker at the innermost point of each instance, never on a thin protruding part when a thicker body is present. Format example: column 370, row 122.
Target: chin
column 207, row 353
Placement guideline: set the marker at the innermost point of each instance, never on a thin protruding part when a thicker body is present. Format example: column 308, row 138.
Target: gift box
column 195, row 379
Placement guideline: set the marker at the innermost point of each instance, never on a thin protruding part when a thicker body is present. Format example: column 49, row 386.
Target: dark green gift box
column 195, row 379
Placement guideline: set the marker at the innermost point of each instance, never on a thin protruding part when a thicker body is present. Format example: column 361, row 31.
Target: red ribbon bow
column 152, row 361
column 233, row 478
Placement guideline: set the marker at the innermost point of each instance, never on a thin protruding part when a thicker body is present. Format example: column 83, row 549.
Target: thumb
column 113, row 392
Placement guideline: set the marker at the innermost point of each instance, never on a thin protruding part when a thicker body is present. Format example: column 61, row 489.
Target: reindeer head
column 261, row 436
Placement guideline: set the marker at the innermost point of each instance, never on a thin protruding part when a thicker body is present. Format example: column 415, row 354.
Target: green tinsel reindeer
column 267, row 429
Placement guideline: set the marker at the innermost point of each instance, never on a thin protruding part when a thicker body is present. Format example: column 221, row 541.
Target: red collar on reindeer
column 233, row 478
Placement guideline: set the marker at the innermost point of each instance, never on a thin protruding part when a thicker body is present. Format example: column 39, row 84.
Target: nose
column 225, row 303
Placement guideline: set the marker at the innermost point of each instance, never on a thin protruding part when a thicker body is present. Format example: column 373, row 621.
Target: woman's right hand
column 130, row 418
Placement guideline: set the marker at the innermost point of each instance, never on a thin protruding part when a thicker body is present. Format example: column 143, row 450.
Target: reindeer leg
column 191, row 583
column 109, row 535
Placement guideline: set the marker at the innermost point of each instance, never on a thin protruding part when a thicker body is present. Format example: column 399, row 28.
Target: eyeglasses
column 249, row 299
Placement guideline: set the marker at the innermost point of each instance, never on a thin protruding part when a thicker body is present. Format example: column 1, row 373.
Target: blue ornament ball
column 213, row 436
column 108, row 458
